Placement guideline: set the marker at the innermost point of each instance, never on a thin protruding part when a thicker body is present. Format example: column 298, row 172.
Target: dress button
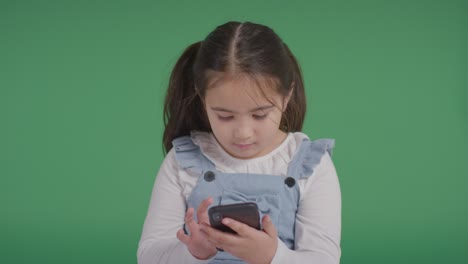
column 290, row 182
column 209, row 176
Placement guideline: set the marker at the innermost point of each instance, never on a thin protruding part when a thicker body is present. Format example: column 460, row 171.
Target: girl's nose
column 243, row 132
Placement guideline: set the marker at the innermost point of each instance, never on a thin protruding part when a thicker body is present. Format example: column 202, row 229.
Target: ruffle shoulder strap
column 189, row 155
column 309, row 156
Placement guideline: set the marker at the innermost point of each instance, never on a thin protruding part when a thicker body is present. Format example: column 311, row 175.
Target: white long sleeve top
column 318, row 219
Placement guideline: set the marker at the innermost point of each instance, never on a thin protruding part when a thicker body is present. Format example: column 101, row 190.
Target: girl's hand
column 197, row 243
column 249, row 244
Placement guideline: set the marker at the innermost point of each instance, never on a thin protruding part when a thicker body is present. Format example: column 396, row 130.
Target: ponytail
column 293, row 116
column 182, row 105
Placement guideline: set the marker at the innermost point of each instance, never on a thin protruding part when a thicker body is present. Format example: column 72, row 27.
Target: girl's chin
column 250, row 154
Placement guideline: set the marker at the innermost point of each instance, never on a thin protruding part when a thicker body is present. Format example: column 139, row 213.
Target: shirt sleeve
column 158, row 242
column 318, row 220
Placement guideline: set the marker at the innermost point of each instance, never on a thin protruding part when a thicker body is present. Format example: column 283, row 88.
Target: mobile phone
column 246, row 213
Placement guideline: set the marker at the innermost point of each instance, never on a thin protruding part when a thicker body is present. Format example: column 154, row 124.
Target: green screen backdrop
column 82, row 86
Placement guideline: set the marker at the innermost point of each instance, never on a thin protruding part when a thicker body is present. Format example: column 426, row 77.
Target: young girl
column 233, row 112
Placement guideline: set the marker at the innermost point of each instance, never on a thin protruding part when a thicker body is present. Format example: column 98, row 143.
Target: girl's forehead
column 256, row 86
column 242, row 94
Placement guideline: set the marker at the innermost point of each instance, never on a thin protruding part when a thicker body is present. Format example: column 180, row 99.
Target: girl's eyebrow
column 221, row 109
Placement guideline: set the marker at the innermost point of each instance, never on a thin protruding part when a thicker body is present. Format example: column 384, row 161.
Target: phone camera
column 218, row 217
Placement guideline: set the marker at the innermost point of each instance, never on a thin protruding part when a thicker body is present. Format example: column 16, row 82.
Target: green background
column 82, row 85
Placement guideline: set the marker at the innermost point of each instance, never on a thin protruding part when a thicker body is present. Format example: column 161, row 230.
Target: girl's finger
column 240, row 228
column 269, row 227
column 189, row 215
column 183, row 237
column 202, row 215
column 189, row 222
column 218, row 238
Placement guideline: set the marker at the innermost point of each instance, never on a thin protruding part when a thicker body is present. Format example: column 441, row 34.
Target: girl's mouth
column 243, row 146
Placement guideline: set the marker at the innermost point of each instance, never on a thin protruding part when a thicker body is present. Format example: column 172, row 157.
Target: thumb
column 269, row 227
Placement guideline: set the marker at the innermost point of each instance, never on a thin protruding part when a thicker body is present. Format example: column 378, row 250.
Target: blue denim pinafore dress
column 277, row 196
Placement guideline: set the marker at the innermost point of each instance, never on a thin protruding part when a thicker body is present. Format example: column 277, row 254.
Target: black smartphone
column 246, row 213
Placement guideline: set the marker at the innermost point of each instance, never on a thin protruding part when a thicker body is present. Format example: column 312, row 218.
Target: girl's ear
column 288, row 97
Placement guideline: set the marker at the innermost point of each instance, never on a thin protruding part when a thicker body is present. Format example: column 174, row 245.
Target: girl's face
column 244, row 122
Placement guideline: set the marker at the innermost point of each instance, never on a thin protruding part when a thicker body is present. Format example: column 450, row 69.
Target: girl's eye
column 260, row 117
column 225, row 118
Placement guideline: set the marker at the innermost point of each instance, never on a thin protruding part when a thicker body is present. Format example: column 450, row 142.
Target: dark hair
column 234, row 47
